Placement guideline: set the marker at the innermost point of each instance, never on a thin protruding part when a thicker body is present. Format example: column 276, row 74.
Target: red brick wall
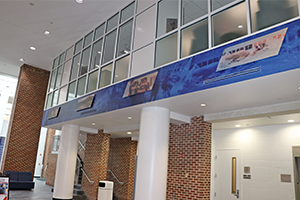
column 122, row 163
column 189, row 161
column 25, row 123
column 95, row 162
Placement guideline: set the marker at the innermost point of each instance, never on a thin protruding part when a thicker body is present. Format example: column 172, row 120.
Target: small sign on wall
column 286, row 178
column 246, row 169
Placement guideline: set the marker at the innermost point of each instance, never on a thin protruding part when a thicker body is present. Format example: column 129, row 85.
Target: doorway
column 296, row 166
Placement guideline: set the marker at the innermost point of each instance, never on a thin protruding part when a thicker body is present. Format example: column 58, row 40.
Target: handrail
column 81, row 145
column 115, row 177
column 87, row 176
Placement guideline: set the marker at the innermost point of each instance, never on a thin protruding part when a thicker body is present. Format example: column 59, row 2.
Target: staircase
column 78, row 194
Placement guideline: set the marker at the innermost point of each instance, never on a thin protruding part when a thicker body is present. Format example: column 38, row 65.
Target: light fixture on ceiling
column 291, row 120
column 240, row 26
column 237, row 125
column 202, row 104
column 117, row 75
column 99, row 52
column 47, row 33
column 79, row 1
column 93, row 124
column 32, row 48
column 129, row 133
column 129, row 117
column 126, row 51
column 97, row 66
column 21, row 60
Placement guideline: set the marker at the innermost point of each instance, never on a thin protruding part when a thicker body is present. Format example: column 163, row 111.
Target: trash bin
column 105, row 190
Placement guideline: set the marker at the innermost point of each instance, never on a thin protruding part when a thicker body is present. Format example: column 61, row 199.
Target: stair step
column 79, row 197
column 78, row 191
column 77, row 186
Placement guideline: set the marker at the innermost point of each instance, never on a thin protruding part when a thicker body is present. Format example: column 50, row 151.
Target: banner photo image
column 140, row 85
column 253, row 50
column 4, row 188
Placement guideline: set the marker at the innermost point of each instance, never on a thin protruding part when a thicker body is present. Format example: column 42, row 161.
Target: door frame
column 296, row 153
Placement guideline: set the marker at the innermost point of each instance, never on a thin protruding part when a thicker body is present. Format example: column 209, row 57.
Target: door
column 227, row 174
column 296, row 164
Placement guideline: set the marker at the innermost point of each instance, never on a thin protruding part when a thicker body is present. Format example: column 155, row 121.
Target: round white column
column 152, row 165
column 66, row 162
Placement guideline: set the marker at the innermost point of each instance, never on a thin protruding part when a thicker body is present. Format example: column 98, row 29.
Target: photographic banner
column 140, row 85
column 253, row 50
column 53, row 113
column 86, row 102
column 4, row 188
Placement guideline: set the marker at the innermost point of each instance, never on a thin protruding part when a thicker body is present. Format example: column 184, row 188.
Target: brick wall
column 122, row 163
column 50, row 160
column 25, row 123
column 189, row 161
column 95, row 162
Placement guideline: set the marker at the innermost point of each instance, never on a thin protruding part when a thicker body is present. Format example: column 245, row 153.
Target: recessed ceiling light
column 97, row 66
column 202, row 104
column 126, row 51
column 128, row 132
column 79, row 1
column 129, row 118
column 240, row 26
column 291, row 120
column 47, row 32
column 237, row 125
column 32, row 48
column 93, row 123
column 99, row 52
column 21, row 60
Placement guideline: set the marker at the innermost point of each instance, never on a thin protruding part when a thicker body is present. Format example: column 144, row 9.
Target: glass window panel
column 49, row 100
column 121, row 69
column 69, row 53
column 85, row 61
column 75, row 66
column 124, row 41
column 229, row 24
column 61, row 58
column 220, row 3
column 55, row 62
column 81, row 86
column 127, row 12
column 93, row 78
column 66, row 74
column 88, row 39
column 109, row 47
column 193, row 9
column 71, row 91
column 55, row 97
column 52, row 81
column 167, row 16
column 265, row 13
column 99, row 31
column 112, row 22
column 95, row 62
column 58, row 77
column 166, row 50
column 78, row 46
column 194, row 38
column 62, row 95
column 105, row 77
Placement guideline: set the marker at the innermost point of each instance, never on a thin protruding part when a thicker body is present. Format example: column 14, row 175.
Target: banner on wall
column 140, row 85
column 86, row 102
column 4, row 188
column 53, row 113
column 253, row 50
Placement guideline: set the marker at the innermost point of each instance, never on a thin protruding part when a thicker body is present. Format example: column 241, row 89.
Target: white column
column 152, row 165
column 66, row 162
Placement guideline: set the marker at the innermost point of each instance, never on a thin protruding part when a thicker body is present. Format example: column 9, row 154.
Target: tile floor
column 40, row 192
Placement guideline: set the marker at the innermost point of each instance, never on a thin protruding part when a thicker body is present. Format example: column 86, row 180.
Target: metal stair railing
column 115, row 177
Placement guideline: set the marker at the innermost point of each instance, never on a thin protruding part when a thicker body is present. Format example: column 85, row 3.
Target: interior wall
column 267, row 150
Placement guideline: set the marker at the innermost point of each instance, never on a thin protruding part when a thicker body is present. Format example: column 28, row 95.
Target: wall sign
column 4, row 188
column 86, row 102
column 53, row 113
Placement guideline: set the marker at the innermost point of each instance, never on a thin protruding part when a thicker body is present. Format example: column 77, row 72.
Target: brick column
column 26, row 118
column 189, row 161
column 95, row 162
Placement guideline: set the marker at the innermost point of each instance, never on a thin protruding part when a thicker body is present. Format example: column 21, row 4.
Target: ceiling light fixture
column 47, row 32
column 202, row 104
column 93, row 123
column 79, row 1
column 21, row 60
column 129, row 118
column 32, row 48
column 237, row 125
column 126, row 51
column 99, row 52
column 129, row 133
column 291, row 120
column 240, row 26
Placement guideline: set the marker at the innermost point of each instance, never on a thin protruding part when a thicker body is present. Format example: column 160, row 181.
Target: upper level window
column 127, row 12
column 99, row 31
column 216, row 4
column 112, row 22
column 192, row 10
column 78, row 46
column 124, row 41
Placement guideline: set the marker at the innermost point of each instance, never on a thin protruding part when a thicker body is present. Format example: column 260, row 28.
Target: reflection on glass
column 109, row 47
column 75, row 66
column 61, row 58
column 229, row 24
column 49, row 100
column 265, row 13
column 66, row 74
column 112, row 22
column 52, row 81
column 55, row 62
column 88, row 39
column 55, row 97
column 85, row 61
column 81, row 86
column 121, row 69
column 194, row 38
column 124, row 38
column 62, row 94
column 99, row 31
column 78, row 46
column 58, row 77
column 167, row 21
column 69, row 53
column 95, row 60
column 105, row 77
column 93, row 78
column 71, row 91
column 127, row 12
column 192, row 10
column 220, row 3
column 166, row 50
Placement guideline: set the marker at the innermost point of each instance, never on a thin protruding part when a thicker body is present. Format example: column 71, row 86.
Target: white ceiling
column 23, row 23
